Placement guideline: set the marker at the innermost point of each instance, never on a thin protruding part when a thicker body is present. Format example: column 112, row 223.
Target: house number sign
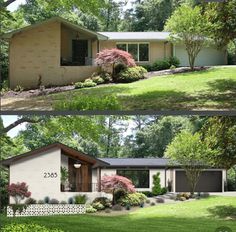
column 50, row 175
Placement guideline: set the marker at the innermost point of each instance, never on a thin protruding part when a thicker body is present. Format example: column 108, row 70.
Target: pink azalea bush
column 18, row 191
column 109, row 58
column 110, row 184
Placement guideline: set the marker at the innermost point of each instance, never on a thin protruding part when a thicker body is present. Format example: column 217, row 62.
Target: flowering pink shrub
column 110, row 184
column 18, row 191
column 108, row 58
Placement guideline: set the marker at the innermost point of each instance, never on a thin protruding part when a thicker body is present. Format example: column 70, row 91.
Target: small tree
column 111, row 184
column 64, row 177
column 109, row 58
column 191, row 154
column 156, row 189
column 18, row 191
column 189, row 26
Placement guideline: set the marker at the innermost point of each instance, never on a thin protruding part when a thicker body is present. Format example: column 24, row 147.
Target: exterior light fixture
column 77, row 165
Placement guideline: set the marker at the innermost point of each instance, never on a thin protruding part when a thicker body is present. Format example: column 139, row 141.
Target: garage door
column 210, row 181
column 207, row 56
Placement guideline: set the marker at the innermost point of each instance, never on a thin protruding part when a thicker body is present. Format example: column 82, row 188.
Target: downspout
column 165, row 177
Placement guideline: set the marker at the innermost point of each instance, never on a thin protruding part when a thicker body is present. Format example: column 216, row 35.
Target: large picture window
column 139, row 51
column 140, row 178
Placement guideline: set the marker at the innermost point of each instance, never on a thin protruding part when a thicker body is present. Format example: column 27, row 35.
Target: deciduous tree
column 188, row 26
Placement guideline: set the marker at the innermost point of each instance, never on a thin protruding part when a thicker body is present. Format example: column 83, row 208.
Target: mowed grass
column 195, row 216
column 212, row 89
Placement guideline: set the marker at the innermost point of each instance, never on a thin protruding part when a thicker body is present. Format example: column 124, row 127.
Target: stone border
column 48, row 210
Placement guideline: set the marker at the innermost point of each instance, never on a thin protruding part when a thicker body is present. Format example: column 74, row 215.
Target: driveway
column 225, row 194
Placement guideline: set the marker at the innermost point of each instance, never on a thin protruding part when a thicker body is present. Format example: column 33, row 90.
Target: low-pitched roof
column 137, row 162
column 66, row 149
column 137, row 36
column 55, row 19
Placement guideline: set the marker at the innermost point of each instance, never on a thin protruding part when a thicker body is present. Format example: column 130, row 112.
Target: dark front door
column 79, row 51
column 210, row 181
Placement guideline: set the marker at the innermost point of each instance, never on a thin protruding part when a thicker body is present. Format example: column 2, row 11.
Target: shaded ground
column 195, row 216
column 213, row 89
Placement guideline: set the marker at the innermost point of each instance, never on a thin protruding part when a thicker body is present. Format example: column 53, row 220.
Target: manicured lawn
column 202, row 90
column 196, row 216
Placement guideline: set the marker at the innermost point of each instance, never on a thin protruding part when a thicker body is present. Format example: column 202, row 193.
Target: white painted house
column 41, row 170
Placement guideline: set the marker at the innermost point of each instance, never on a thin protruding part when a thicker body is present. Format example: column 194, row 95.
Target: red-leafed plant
column 111, row 184
column 109, row 58
column 18, row 191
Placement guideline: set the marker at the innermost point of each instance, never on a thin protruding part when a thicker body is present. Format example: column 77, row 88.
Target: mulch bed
column 51, row 90
column 37, row 92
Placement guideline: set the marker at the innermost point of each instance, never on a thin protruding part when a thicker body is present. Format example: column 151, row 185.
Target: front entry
column 79, row 52
column 80, row 178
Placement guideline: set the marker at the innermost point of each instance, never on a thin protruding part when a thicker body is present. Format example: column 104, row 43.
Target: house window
column 139, row 51
column 140, row 178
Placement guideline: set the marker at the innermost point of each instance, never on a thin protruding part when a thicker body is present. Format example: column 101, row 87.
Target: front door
column 79, row 52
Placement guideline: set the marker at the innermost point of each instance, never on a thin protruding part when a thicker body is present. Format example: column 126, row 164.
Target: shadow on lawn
column 224, row 86
column 223, row 211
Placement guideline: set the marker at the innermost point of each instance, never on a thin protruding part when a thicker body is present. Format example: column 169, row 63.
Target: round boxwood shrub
column 53, row 201
column 104, row 201
column 30, row 201
column 98, row 80
column 131, row 74
column 27, row 228
column 133, row 199
column 90, row 209
column 98, row 206
column 87, row 83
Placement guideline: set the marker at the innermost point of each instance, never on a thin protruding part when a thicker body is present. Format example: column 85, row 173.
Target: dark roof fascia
column 66, row 149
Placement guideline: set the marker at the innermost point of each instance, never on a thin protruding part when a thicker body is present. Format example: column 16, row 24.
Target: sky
column 7, row 120
column 15, row 4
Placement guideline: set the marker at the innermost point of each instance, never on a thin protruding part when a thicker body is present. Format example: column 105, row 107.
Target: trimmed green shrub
column 30, row 201
column 41, row 202
column 102, row 74
column 147, row 201
column 63, row 202
column 90, row 209
column 133, row 199
column 71, row 200
column 98, row 80
column 87, row 83
column 27, row 228
column 164, row 190
column 131, row 74
column 148, row 193
column 104, row 201
column 80, row 199
column 160, row 65
column 89, row 103
column 107, row 210
column 156, row 189
column 166, row 63
column 54, row 201
column 46, row 200
column 98, row 206
column 153, row 203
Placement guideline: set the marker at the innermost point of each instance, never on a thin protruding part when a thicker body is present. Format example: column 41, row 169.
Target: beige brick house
column 57, row 52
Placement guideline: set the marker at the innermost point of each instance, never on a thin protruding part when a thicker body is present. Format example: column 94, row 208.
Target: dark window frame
column 147, row 182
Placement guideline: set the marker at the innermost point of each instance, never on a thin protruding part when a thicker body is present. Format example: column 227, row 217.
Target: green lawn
column 213, row 89
column 196, row 216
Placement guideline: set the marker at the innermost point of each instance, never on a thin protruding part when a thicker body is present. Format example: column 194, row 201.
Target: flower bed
column 47, row 209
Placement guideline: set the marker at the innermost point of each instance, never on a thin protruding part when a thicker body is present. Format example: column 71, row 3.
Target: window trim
column 136, row 169
column 138, row 43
